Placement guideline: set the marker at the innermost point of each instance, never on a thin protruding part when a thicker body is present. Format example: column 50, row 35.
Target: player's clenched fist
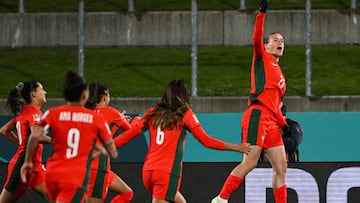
column 263, row 5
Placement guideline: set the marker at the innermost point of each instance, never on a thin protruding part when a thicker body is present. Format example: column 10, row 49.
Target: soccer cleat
column 218, row 199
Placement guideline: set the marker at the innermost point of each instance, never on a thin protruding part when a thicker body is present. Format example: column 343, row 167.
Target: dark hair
column 74, row 85
column 96, row 93
column 14, row 102
column 174, row 103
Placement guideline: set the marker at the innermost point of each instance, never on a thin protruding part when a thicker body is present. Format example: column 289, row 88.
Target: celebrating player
column 263, row 119
column 27, row 115
column 101, row 177
column 74, row 131
column 168, row 123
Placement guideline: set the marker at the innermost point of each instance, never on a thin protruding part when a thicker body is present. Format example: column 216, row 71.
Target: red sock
column 123, row 197
column 280, row 194
column 231, row 184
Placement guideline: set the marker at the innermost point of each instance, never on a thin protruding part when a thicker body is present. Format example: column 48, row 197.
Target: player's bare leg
column 249, row 162
column 237, row 175
column 277, row 158
column 179, row 198
column 8, row 197
column 119, row 186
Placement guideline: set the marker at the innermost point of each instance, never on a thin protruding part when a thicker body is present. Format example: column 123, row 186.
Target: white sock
column 221, row 200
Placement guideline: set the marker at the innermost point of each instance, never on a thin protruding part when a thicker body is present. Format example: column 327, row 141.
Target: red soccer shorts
column 15, row 185
column 65, row 191
column 161, row 185
column 259, row 127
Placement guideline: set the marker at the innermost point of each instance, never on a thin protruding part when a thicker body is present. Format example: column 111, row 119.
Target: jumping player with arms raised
column 262, row 121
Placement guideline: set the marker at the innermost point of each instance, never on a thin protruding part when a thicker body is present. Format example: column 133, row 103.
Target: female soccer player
column 74, row 131
column 168, row 123
column 263, row 119
column 101, row 176
column 27, row 115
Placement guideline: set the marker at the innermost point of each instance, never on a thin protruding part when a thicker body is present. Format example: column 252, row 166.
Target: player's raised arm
column 258, row 42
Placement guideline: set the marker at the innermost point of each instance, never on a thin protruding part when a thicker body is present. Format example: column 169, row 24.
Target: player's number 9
column 73, row 143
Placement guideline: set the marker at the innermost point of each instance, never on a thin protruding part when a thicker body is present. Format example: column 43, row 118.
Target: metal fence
column 235, row 4
column 194, row 8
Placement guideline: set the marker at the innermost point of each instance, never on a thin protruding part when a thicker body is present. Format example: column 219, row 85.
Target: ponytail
column 96, row 93
column 21, row 95
column 73, row 85
column 91, row 102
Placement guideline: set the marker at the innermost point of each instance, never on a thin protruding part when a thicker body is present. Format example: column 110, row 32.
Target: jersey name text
column 75, row 117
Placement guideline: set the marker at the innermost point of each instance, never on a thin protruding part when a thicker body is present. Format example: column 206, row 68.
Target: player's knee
column 123, row 197
column 280, row 171
column 128, row 196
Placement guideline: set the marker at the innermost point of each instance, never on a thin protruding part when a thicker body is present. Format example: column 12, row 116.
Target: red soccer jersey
column 29, row 116
column 74, row 130
column 268, row 84
column 166, row 147
column 113, row 118
column 115, row 121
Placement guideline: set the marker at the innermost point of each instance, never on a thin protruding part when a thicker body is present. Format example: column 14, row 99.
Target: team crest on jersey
column 36, row 117
column 281, row 83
